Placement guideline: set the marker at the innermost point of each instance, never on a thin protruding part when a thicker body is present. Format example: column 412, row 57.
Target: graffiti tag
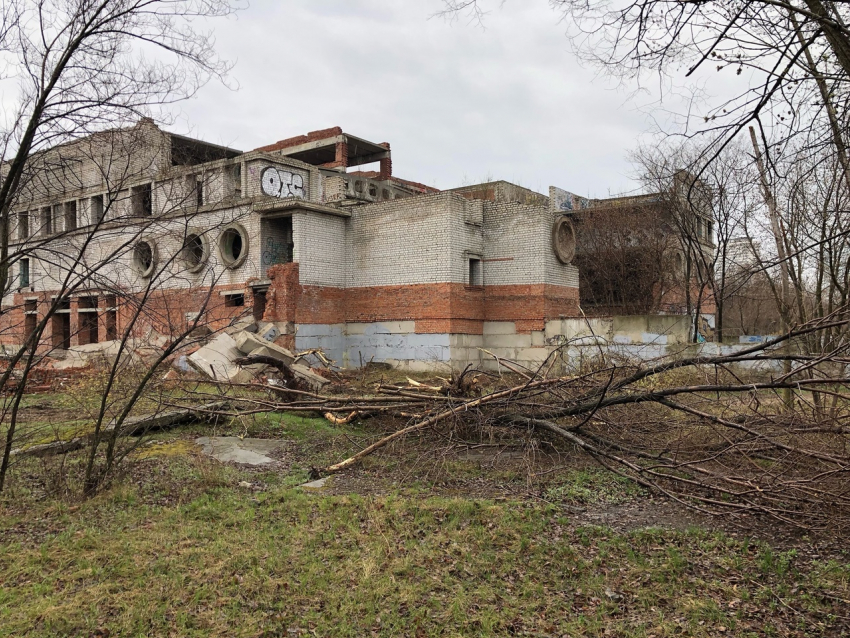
column 276, row 252
column 280, row 183
column 561, row 200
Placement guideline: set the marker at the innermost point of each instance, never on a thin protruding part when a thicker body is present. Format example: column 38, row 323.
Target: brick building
column 363, row 265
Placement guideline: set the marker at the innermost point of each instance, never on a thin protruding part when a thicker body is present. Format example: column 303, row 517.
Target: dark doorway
column 259, row 305
column 88, row 328
column 61, row 325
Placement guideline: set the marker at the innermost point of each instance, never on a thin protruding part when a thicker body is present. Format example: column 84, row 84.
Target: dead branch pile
column 712, row 432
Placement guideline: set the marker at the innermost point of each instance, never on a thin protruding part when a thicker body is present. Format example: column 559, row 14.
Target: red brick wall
column 164, row 311
column 436, row 308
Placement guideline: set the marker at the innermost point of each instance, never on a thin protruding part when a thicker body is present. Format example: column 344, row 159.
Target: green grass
column 591, row 486
column 181, row 550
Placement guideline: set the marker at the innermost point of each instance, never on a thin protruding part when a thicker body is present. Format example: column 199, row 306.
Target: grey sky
column 458, row 104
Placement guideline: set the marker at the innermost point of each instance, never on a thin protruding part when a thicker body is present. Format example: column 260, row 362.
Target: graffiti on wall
column 280, row 183
column 561, row 200
column 276, row 252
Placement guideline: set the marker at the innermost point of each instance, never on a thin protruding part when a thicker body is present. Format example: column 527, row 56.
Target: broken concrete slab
column 248, row 343
column 316, row 485
column 232, row 449
column 309, row 377
column 268, row 331
column 216, row 360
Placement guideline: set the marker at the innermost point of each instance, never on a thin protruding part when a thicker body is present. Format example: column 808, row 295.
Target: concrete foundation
column 572, row 341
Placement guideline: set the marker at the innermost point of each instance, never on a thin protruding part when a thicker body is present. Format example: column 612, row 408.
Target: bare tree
column 85, row 71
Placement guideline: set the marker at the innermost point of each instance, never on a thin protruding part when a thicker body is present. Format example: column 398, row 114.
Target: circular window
column 233, row 245
column 564, row 240
column 144, row 258
column 194, row 251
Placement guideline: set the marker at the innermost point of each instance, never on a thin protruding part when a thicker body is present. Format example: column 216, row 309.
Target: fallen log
column 130, row 427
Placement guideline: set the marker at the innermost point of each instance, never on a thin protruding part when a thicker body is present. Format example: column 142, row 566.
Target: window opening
column 142, row 200
column 259, row 305
column 61, row 325
column 71, row 215
column 30, row 318
column 475, row 273
column 143, row 258
column 233, row 246
column 96, row 207
column 23, row 224
column 194, row 251
column 58, row 217
column 24, row 268
column 234, row 300
column 46, row 221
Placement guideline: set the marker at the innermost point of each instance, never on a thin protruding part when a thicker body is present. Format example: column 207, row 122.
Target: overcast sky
column 458, row 103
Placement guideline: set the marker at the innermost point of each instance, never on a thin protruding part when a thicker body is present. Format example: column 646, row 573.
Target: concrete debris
column 105, row 352
column 316, row 485
column 216, row 361
column 248, row 343
column 312, row 379
column 232, row 449
column 268, row 331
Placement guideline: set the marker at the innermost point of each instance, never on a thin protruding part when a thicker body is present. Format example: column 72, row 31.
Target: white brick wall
column 320, row 248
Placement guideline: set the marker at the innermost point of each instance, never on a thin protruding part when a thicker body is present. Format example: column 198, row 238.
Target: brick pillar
column 386, row 170
column 284, row 292
column 341, row 158
column 75, row 321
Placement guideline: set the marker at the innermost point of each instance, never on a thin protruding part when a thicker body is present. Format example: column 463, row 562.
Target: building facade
column 140, row 231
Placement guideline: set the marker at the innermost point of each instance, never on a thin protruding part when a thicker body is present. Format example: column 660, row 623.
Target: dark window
column 194, row 251
column 143, row 258
column 234, row 300
column 46, row 221
column 259, row 305
column 142, row 200
column 30, row 318
column 475, row 273
column 61, row 325
column 87, row 319
column 199, row 192
column 23, row 224
column 24, row 273
column 233, row 246
column 97, row 210
column 71, row 215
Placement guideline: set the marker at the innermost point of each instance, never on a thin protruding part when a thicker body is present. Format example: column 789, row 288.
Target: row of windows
column 63, row 217
column 232, row 247
column 705, row 229
column 90, row 330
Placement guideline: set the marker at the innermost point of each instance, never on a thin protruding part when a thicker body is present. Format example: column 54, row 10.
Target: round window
column 194, row 251
column 563, row 240
column 144, row 258
column 233, row 245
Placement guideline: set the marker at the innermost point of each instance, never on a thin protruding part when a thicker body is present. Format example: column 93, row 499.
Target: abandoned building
column 145, row 229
